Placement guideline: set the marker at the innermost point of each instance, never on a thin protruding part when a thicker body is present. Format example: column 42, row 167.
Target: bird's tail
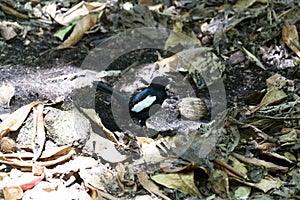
column 123, row 100
column 103, row 87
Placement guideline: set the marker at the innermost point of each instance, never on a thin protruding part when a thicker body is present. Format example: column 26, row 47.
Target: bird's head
column 161, row 81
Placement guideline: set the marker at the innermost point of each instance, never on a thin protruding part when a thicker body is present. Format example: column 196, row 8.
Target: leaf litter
column 256, row 150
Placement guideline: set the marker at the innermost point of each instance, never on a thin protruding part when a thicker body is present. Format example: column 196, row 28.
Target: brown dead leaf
column 178, row 62
column 157, row 7
column 289, row 137
column 149, row 185
column 255, row 98
column 254, row 59
column 23, row 160
column 175, row 165
column 237, row 171
column 151, row 153
column 46, row 155
column 242, row 5
column 146, row 2
column 80, row 28
column 79, row 10
column 59, row 159
column 126, row 177
column 272, row 97
column 55, row 152
column 291, row 38
column 220, row 182
column 183, row 182
column 278, row 81
column 14, row 121
column 179, row 37
column 21, row 155
column 39, row 135
column 257, row 162
column 264, row 184
column 10, row 11
column 276, row 156
column 91, row 114
column 87, row 168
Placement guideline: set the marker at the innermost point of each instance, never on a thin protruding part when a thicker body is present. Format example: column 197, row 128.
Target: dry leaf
column 276, row 155
column 242, row 192
column 105, row 149
column 7, row 91
column 30, row 181
column 39, row 135
column 272, row 97
column 25, row 181
column 56, row 152
column 253, row 58
column 25, row 163
column 146, row 2
column 80, row 10
column 81, row 27
column 175, row 165
column 264, row 184
column 178, row 37
column 46, row 155
column 278, row 81
column 150, row 186
column 290, row 137
column 194, row 60
column 151, row 153
column 242, row 5
column 220, row 182
column 10, row 11
column 238, row 170
column 126, row 177
column 81, row 162
column 50, row 9
column 255, row 98
column 183, row 182
column 254, row 161
column 157, row 7
column 91, row 114
column 291, row 38
column 14, row 121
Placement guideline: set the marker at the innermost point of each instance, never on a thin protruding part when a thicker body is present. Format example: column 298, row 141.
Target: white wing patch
column 147, row 102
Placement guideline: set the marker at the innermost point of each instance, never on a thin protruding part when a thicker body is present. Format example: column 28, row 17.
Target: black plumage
column 143, row 103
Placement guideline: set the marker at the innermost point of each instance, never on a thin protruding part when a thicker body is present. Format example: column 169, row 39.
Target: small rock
column 66, row 127
column 62, row 127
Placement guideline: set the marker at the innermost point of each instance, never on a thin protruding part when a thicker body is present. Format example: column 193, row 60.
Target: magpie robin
column 143, row 103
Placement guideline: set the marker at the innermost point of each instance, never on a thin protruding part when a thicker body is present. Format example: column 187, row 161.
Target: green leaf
column 60, row 33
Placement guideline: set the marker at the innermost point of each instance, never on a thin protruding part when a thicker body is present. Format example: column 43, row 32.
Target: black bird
column 141, row 104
